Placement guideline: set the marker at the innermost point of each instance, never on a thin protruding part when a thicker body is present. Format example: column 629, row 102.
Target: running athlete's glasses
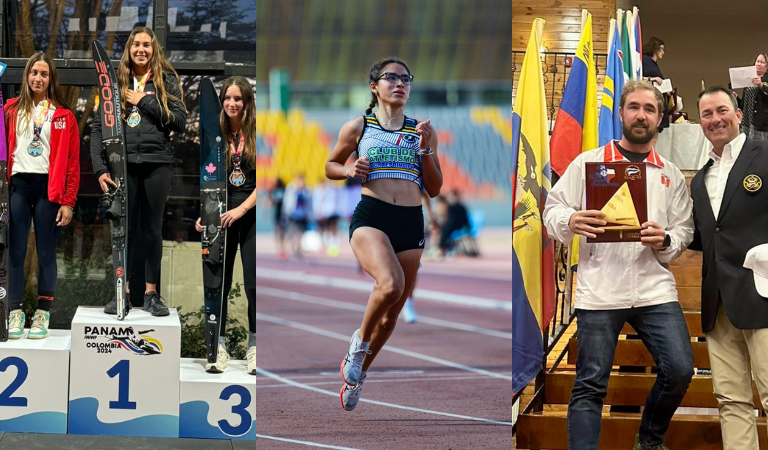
column 392, row 78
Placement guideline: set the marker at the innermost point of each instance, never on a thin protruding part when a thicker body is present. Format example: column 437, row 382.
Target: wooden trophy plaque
column 619, row 190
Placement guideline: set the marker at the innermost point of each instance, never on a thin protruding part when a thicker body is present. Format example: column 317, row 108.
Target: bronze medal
column 237, row 178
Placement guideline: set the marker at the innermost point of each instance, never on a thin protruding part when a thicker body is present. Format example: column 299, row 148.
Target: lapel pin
column 752, row 183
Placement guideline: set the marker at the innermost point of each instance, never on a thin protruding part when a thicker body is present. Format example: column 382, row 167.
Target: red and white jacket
column 626, row 274
column 64, row 160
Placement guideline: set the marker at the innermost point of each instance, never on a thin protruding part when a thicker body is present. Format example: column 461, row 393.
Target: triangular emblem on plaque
column 620, row 209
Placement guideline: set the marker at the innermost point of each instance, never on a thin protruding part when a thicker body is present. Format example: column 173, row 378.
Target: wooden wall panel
column 562, row 31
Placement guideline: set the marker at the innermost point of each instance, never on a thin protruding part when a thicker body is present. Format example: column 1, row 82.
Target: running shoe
column 222, row 361
column 350, row 395
column 39, row 328
column 352, row 365
column 250, row 356
column 409, row 314
column 16, row 324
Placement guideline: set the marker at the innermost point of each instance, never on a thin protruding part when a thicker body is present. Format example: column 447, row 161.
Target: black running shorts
column 403, row 225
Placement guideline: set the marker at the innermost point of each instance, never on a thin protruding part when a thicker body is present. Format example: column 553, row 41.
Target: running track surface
column 445, row 384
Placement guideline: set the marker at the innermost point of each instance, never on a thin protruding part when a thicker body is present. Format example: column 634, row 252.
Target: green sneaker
column 16, row 324
column 39, row 328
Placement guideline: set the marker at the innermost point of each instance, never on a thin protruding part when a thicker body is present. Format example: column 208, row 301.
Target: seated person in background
column 456, row 219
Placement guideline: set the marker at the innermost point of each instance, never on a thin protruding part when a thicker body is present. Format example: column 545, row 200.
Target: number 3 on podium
column 21, row 375
column 239, row 409
column 121, row 370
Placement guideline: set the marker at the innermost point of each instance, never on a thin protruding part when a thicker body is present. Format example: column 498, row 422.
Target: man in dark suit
column 730, row 210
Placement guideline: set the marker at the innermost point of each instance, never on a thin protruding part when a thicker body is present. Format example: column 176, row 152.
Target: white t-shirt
column 23, row 161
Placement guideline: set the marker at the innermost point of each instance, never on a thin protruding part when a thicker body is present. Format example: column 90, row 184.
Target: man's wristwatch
column 667, row 241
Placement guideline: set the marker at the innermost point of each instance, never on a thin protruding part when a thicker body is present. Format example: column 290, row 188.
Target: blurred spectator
column 276, row 195
column 297, row 204
column 326, row 205
column 456, row 219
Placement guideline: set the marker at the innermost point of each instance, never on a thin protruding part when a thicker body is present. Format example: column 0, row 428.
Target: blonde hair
column 247, row 122
column 25, row 105
column 160, row 67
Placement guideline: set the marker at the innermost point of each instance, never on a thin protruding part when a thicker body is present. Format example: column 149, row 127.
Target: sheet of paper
column 666, row 86
column 741, row 77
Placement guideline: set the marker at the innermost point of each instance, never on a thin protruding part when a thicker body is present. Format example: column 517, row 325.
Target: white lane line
column 366, row 286
column 391, row 405
column 330, row 334
column 279, row 293
column 391, row 380
column 311, row 444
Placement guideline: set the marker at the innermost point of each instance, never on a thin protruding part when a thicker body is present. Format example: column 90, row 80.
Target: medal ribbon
column 237, row 150
column 143, row 81
column 38, row 124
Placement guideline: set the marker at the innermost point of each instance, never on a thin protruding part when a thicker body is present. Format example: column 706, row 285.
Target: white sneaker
column 222, row 362
column 16, row 324
column 39, row 328
column 250, row 356
column 409, row 314
column 350, row 395
column 352, row 365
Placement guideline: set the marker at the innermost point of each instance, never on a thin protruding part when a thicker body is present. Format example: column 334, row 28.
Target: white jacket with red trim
column 627, row 274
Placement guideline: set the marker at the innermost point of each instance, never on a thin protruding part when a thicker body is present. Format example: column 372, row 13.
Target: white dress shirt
column 717, row 175
column 626, row 274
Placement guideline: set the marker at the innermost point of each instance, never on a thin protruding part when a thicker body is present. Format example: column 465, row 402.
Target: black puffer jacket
column 150, row 141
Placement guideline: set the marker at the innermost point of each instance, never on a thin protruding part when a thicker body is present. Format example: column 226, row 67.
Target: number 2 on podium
column 121, row 370
column 21, row 375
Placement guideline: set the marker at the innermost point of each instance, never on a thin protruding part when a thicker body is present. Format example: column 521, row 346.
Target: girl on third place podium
column 44, row 171
column 238, row 124
column 153, row 108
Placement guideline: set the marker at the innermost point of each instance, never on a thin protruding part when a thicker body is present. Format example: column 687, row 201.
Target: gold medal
column 752, row 183
column 134, row 119
column 237, row 177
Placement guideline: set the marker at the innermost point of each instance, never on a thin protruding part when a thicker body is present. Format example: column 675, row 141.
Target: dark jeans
column 663, row 330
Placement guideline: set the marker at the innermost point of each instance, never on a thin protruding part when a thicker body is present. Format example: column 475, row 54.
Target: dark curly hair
column 375, row 73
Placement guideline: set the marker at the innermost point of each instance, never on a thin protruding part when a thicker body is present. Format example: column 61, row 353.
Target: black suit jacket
column 742, row 224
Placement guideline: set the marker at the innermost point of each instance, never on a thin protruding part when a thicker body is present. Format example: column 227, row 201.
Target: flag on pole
column 638, row 53
column 575, row 129
column 533, row 283
column 626, row 46
column 610, row 122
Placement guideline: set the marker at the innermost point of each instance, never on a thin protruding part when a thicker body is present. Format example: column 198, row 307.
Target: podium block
column 34, row 378
column 124, row 375
column 217, row 406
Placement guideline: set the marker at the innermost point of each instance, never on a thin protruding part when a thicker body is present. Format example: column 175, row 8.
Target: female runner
column 396, row 156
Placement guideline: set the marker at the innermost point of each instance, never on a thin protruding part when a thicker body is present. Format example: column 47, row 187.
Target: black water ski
column 4, row 226
column 114, row 145
column 213, row 203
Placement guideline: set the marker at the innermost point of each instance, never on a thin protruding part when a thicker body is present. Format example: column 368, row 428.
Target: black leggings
column 29, row 199
column 148, row 187
column 242, row 233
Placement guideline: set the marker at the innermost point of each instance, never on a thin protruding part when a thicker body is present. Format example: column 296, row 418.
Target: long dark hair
column 375, row 73
column 25, row 104
column 247, row 121
column 160, row 68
